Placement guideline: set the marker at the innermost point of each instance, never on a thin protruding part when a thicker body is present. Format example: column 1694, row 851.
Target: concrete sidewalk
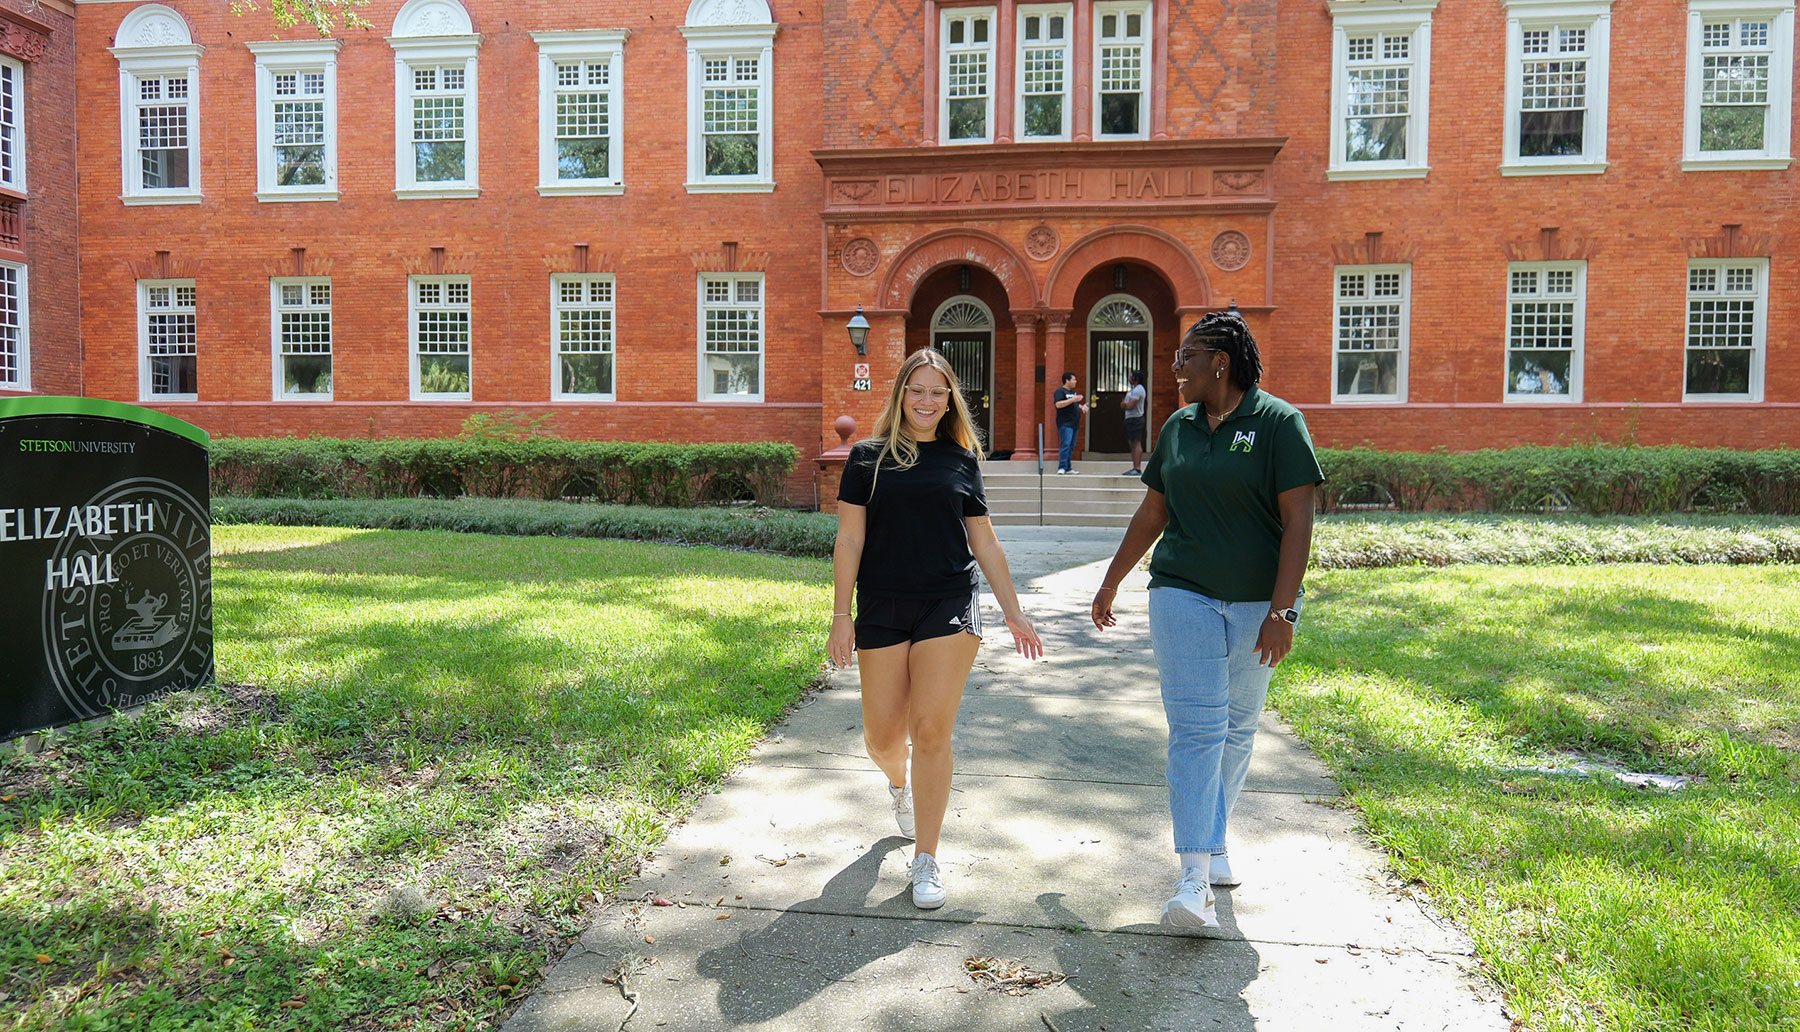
column 796, row 910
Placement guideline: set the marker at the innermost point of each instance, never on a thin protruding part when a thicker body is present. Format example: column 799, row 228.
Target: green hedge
column 502, row 467
column 771, row 530
column 1595, row 479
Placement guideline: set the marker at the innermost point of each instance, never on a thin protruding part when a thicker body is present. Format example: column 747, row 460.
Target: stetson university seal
column 128, row 601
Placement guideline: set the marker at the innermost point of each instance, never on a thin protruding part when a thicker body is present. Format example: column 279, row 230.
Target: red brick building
column 40, row 341
column 1451, row 223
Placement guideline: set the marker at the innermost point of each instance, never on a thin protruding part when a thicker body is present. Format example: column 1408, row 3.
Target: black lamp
column 859, row 331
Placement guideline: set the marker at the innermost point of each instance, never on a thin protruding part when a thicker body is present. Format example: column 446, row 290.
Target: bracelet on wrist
column 835, row 615
column 1105, row 587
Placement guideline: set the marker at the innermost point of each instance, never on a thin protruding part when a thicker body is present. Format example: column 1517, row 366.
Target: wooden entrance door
column 1118, row 344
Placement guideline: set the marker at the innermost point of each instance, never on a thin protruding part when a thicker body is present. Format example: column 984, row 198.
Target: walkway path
column 797, row 910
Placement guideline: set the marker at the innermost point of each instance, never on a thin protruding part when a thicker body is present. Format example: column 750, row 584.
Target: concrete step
column 1061, row 519
column 1063, row 503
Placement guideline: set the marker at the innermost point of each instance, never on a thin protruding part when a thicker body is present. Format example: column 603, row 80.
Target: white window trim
column 591, row 45
column 1402, row 358
column 1359, row 16
column 1523, row 14
column 945, row 16
column 1577, row 354
column 1778, row 128
column 412, row 339
column 1147, row 86
column 278, row 378
column 762, row 354
column 1046, row 12
column 165, row 48
column 22, row 381
column 556, row 391
column 143, row 340
column 1758, row 356
column 730, row 41
column 18, row 182
column 294, row 56
column 420, row 37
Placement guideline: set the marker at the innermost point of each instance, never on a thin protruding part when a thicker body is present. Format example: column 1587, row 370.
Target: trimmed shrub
column 492, row 465
column 1594, row 479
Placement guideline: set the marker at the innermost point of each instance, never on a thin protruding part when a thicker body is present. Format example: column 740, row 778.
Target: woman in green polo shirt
column 1230, row 490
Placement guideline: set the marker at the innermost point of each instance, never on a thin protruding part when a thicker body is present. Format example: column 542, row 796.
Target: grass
column 433, row 753
column 1437, row 695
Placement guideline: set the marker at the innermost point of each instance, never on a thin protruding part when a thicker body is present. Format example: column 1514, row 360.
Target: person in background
column 1069, row 407
column 1230, row 490
column 1135, row 405
column 912, row 528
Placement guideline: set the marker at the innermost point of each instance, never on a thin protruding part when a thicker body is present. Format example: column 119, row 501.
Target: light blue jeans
column 1213, row 688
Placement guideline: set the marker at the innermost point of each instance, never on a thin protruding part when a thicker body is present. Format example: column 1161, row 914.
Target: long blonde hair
column 891, row 428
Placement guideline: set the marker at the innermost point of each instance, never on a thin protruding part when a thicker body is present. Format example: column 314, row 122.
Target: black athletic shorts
column 1134, row 429
column 882, row 621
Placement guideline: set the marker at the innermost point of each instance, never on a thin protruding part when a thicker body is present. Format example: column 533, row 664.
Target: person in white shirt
column 1136, row 401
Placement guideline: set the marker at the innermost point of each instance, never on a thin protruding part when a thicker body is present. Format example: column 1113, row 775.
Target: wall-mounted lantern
column 859, row 331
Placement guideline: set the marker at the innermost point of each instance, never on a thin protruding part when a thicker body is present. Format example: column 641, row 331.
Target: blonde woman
column 912, row 528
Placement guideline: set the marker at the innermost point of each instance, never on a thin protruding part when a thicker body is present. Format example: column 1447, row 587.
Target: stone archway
column 933, row 251
column 1141, row 245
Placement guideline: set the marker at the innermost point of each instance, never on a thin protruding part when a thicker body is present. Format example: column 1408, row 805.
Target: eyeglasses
column 1183, row 354
column 918, row 393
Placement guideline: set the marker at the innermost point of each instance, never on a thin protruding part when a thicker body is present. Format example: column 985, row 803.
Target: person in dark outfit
column 1229, row 487
column 1136, row 404
column 1069, row 407
column 912, row 529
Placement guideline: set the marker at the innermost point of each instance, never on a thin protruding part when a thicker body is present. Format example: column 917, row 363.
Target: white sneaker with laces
column 903, row 808
column 928, row 883
column 1221, row 874
column 1193, row 905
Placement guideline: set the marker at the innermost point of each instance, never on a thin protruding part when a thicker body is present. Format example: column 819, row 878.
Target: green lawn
column 1432, row 692
column 435, row 749
column 503, row 724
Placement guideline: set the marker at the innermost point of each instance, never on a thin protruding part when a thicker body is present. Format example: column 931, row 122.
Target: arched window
column 962, row 313
column 731, row 48
column 437, row 125
column 159, row 105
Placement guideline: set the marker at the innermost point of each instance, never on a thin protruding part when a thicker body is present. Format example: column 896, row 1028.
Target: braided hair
column 1228, row 332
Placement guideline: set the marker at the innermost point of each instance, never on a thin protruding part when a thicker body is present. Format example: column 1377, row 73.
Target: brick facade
column 41, row 37
column 1225, row 200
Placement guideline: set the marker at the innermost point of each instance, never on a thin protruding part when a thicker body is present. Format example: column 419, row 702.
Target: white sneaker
column 928, row 884
column 903, row 808
column 1220, row 873
column 1192, row 906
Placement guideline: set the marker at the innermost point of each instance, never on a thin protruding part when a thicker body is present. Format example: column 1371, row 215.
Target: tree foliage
column 323, row 15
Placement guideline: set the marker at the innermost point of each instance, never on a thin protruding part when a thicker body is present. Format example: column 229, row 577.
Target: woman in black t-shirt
column 912, row 528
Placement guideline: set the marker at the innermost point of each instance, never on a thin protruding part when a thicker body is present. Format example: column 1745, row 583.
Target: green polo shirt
column 1224, row 534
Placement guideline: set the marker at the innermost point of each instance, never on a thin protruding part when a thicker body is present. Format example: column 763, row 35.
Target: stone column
column 1001, row 85
column 1056, row 327
column 1025, row 387
column 1081, row 122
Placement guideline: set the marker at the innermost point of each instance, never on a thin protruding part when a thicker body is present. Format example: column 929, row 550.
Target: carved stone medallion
column 1042, row 243
column 1231, row 250
column 860, row 256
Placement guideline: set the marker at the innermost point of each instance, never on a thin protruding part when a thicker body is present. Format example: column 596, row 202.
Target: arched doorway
column 962, row 329
column 1119, row 332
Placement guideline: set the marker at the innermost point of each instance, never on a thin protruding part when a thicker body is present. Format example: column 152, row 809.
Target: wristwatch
column 1290, row 615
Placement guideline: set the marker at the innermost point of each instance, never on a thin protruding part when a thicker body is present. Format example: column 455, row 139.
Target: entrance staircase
column 1098, row 495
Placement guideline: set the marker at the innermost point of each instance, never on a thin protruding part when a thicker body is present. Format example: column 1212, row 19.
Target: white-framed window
column 301, row 326
column 1046, row 71
column 1380, row 90
column 580, row 111
column 731, row 54
column 159, row 107
column 437, row 125
column 1546, row 325
column 12, row 125
column 438, row 313
column 296, row 120
column 1557, row 69
column 1727, row 329
column 731, row 336
column 1122, row 70
column 1740, row 84
column 168, row 341
column 966, row 38
column 15, row 328
column 581, row 326
column 1372, row 326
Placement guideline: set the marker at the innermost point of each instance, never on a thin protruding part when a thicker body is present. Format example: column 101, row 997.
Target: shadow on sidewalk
column 818, row 942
